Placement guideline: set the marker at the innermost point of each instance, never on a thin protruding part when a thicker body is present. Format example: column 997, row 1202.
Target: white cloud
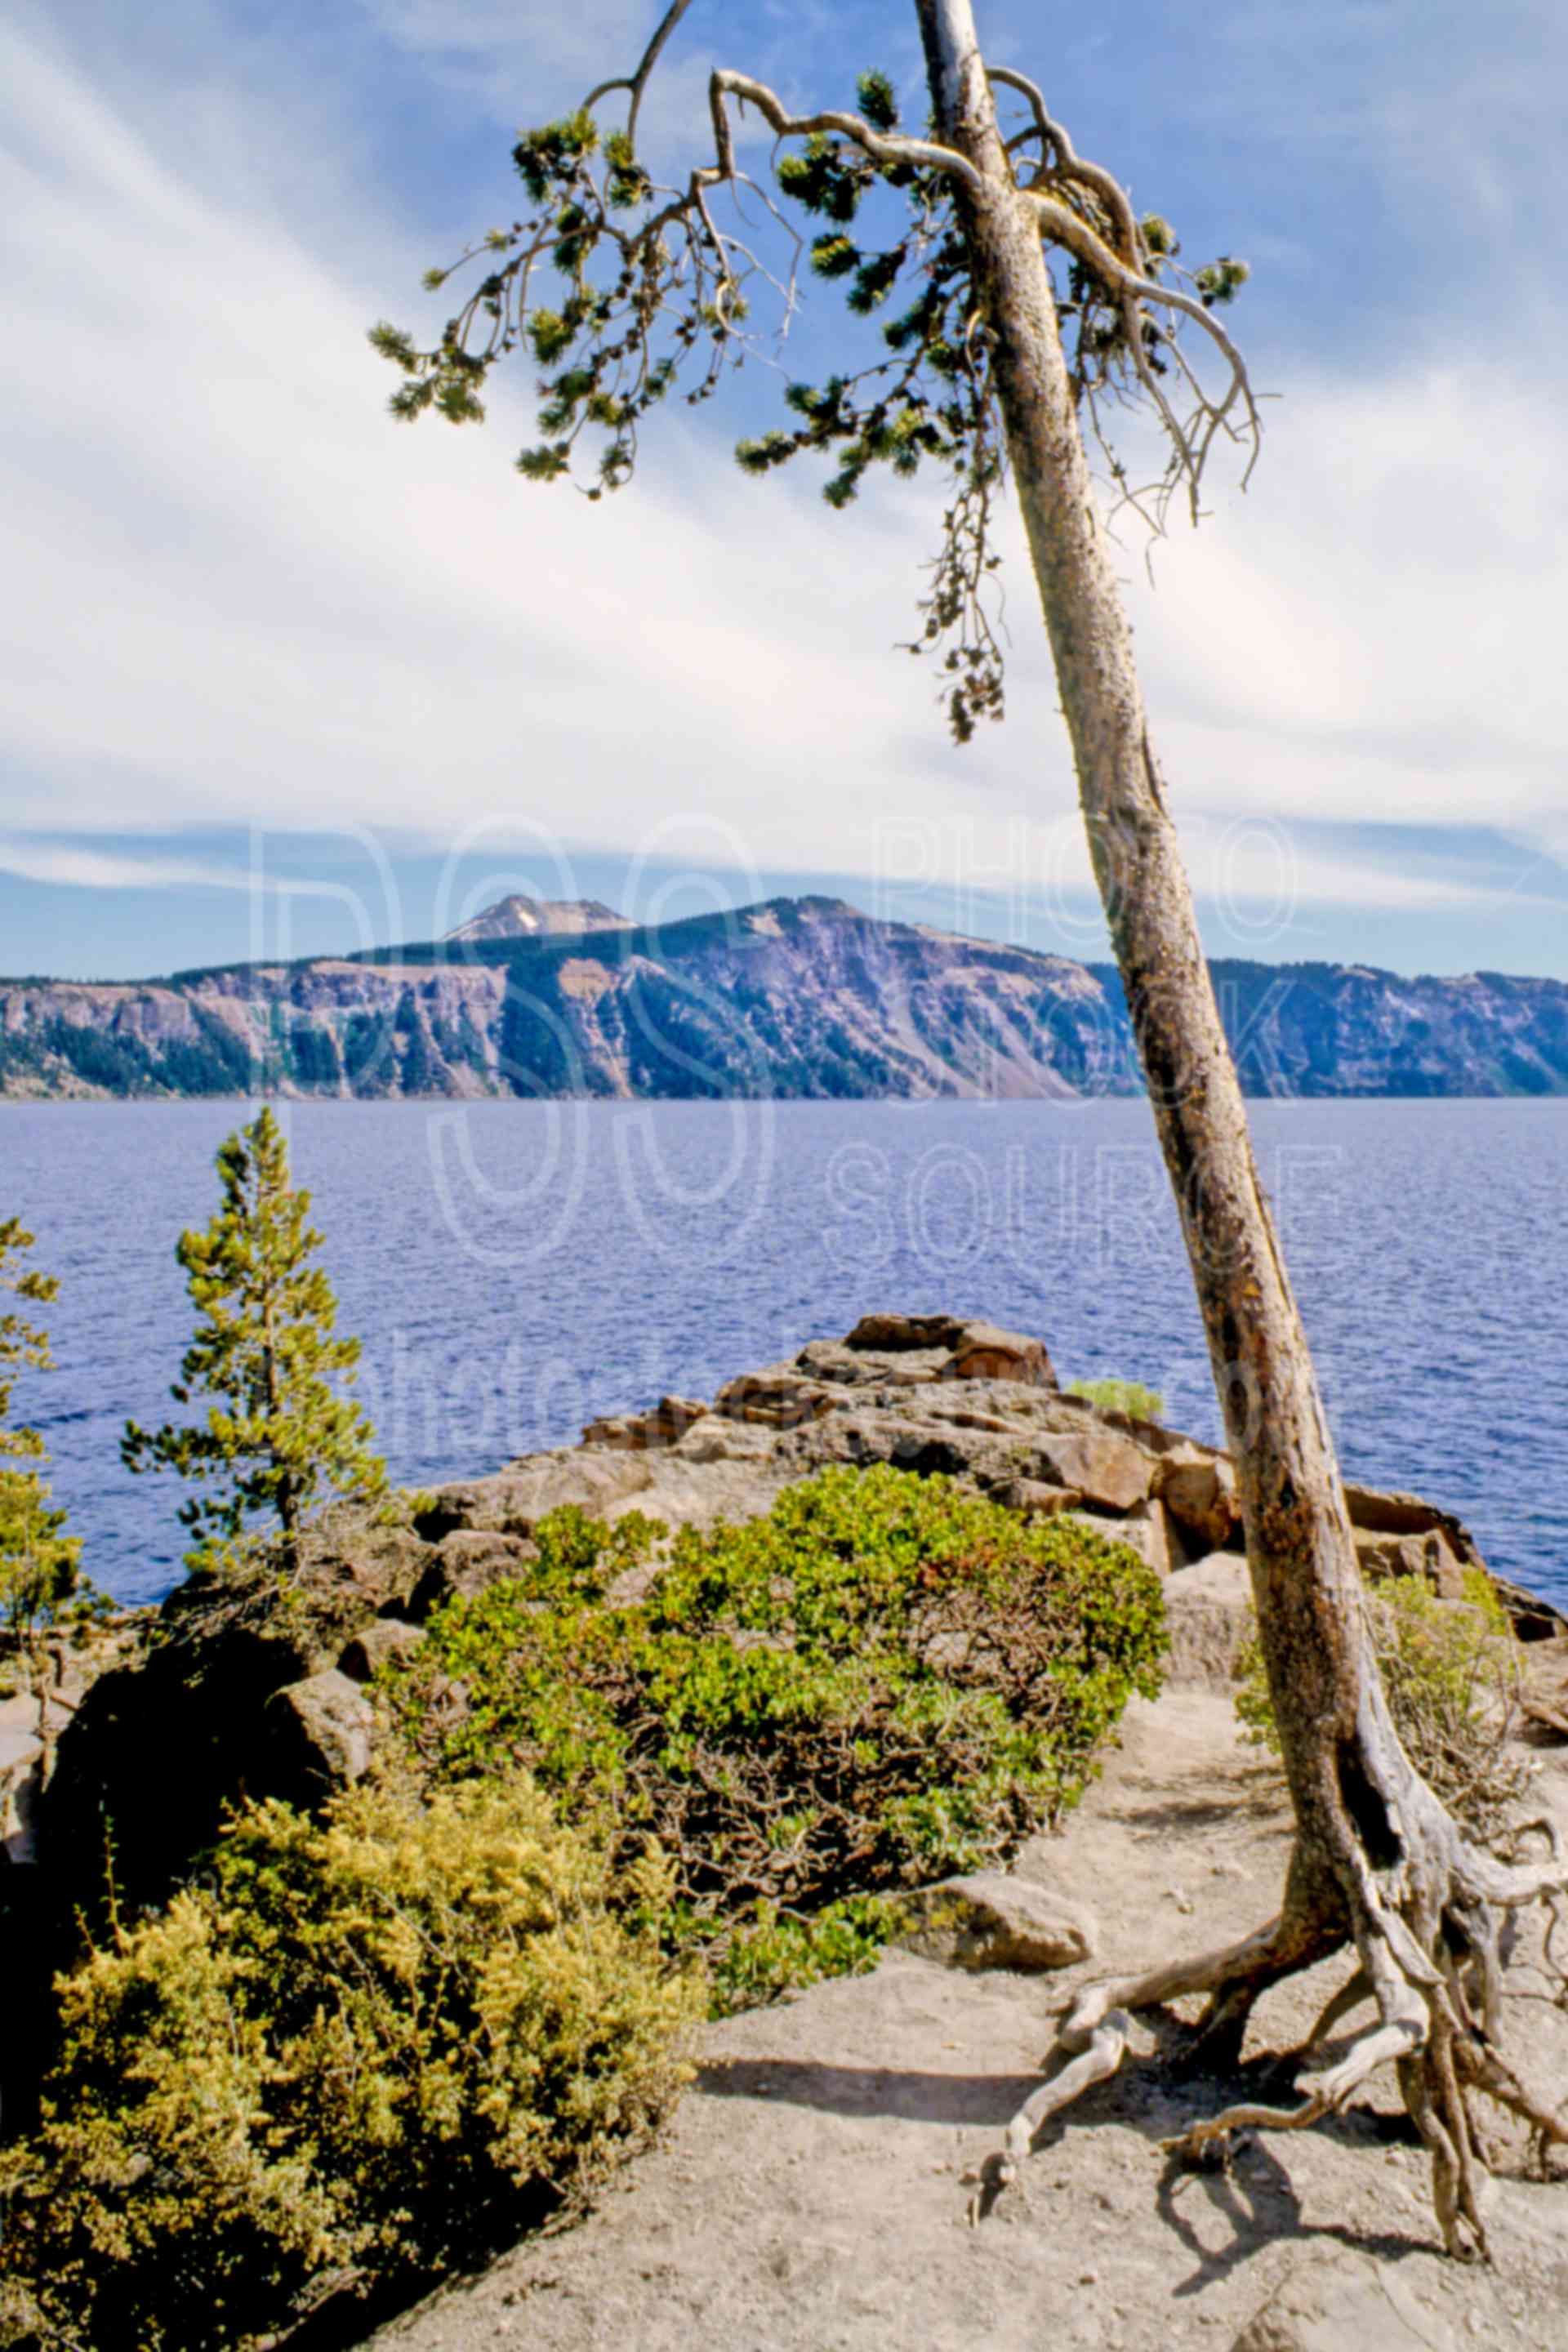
column 237, row 594
column 523, row 66
column 99, row 870
column 1374, row 632
column 239, row 590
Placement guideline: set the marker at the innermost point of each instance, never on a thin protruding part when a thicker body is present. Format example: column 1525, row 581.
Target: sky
column 279, row 676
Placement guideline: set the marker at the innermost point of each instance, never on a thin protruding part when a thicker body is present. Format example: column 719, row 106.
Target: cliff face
column 795, row 997
column 1342, row 1029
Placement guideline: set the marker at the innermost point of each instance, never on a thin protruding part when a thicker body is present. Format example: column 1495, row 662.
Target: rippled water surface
column 514, row 1269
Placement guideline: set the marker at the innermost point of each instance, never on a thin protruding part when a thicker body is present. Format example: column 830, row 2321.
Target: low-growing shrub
column 778, row 1952
column 885, row 1679
column 334, row 2062
column 1450, row 1674
column 1129, row 1397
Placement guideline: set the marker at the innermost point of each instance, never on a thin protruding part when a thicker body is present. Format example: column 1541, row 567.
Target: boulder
column 1344, row 2299
column 1407, row 1514
column 1035, row 1499
column 684, row 1492
column 21, row 1755
column 466, row 1562
column 1532, row 1619
column 956, row 1415
column 1208, row 1614
column 351, row 1566
column 1543, row 1693
column 1428, row 1556
column 984, row 1353
column 909, row 1441
column 892, row 1335
column 779, row 1397
column 1110, row 1470
column 666, row 1424
column 843, row 1367
column 1150, row 1532
column 370, row 1649
column 909, row 1350
column 715, row 1438
column 1545, row 1719
column 1197, row 1486
column 623, row 1432
column 163, row 1743
column 318, row 1738
column 1375, row 1513
column 993, row 1920
column 600, row 1481
column 489, row 1506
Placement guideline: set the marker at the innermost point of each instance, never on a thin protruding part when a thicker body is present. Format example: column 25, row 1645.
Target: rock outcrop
column 243, row 1691
column 794, row 997
column 21, row 1759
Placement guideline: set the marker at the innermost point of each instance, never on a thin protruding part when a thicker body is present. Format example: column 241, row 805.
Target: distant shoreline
column 798, row 999
column 715, row 1102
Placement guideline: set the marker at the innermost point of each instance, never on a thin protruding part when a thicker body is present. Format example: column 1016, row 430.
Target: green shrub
column 1129, row 1397
column 580, row 1558
column 779, row 1953
column 885, row 1679
column 333, row 2062
column 1450, row 1678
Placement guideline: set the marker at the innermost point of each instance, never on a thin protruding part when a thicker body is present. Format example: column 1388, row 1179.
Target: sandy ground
column 808, row 2195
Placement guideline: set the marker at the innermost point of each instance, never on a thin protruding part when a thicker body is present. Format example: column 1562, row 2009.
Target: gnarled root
column 1433, row 1943
column 1093, row 2036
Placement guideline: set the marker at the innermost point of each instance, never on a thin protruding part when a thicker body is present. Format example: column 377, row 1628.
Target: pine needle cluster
column 618, row 288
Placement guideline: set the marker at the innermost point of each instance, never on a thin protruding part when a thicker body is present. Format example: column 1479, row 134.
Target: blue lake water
column 514, row 1269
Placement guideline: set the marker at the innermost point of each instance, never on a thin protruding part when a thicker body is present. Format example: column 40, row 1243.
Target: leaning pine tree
column 1023, row 297
column 279, row 1436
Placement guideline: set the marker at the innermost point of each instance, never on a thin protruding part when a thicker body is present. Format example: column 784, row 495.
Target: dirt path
column 808, row 2196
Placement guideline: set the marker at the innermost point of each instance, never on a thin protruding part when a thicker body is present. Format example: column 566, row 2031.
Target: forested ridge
column 794, row 997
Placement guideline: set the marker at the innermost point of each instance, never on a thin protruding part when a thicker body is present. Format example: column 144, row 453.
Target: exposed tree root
column 1433, row 1940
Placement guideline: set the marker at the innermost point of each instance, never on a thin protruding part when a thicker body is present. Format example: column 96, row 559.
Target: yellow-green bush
column 1448, row 1671
column 334, row 2062
column 360, row 2041
column 1120, row 1396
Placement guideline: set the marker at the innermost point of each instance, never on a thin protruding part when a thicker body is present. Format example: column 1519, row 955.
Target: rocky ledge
column 242, row 1689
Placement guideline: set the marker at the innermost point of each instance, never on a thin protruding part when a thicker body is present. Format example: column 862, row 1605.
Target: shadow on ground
column 1157, row 2095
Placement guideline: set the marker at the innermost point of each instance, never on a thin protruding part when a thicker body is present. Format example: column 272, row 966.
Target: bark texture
column 1301, row 1547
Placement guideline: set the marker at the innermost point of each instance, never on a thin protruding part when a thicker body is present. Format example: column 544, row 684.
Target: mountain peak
column 520, row 918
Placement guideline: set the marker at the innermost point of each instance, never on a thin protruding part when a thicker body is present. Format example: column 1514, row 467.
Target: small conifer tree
column 280, row 1437
column 38, row 1562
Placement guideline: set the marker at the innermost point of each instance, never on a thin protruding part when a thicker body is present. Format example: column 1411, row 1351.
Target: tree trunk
column 1301, row 1552
column 1377, row 1861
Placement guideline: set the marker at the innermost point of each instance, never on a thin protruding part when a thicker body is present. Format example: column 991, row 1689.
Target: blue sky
column 278, row 675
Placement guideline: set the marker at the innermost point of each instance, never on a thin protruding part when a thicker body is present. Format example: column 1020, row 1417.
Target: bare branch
column 638, row 82
column 881, row 146
column 1129, row 286
column 1054, row 140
